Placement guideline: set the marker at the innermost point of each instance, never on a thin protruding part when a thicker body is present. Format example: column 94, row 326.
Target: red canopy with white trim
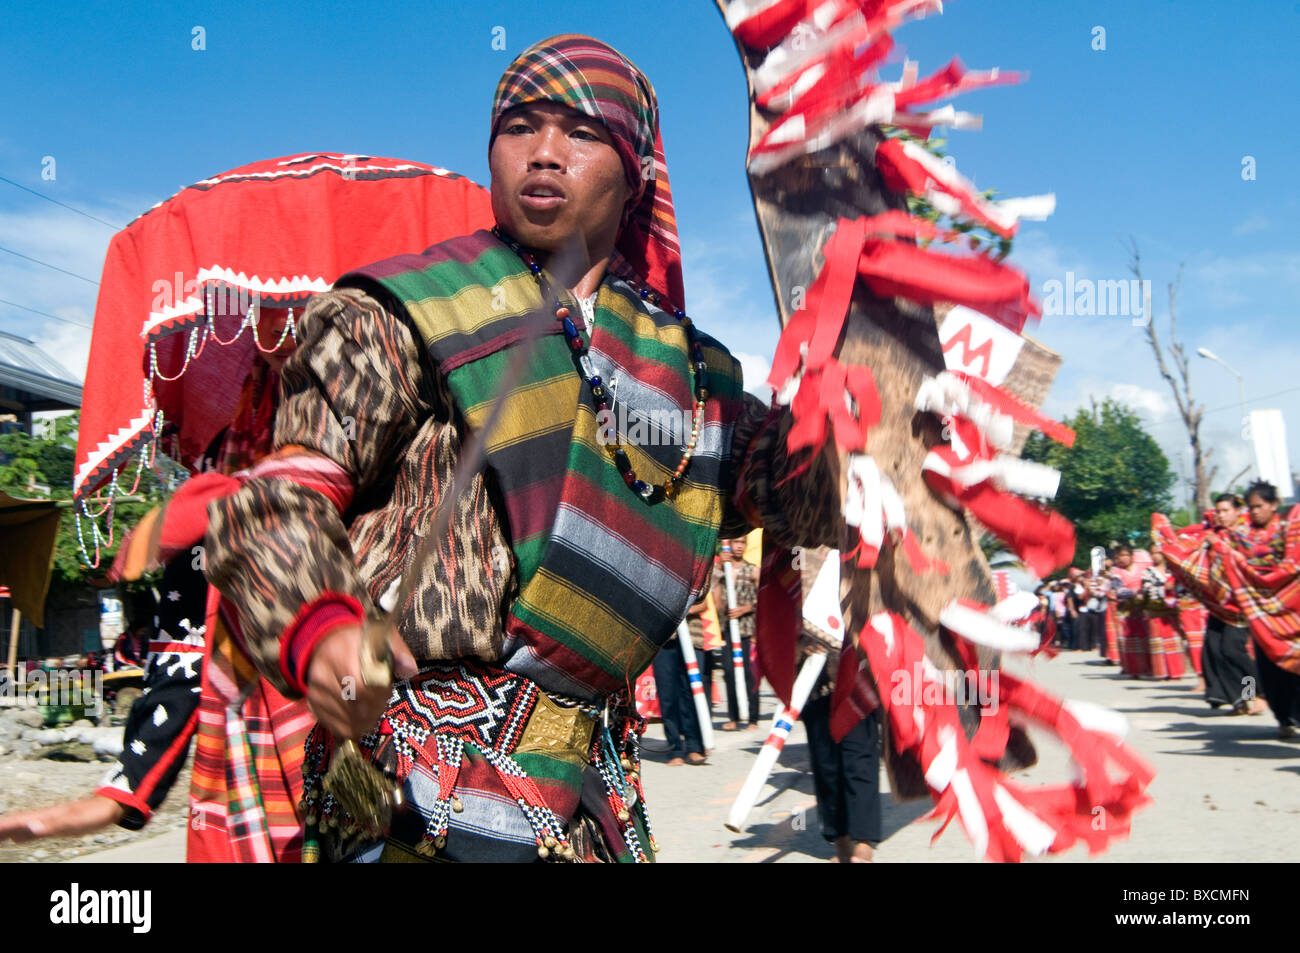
column 185, row 282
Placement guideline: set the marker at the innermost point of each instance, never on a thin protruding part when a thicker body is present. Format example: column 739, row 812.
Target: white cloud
column 755, row 367
column 1256, row 223
column 1152, row 404
column 70, row 242
column 67, row 344
column 1233, row 282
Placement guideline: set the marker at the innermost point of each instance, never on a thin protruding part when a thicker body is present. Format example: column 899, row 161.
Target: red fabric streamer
column 950, row 81
column 927, row 729
column 771, row 23
column 1007, row 403
column 779, row 618
column 777, row 99
column 904, row 174
column 894, row 269
column 1043, row 538
column 854, row 697
column 817, row 325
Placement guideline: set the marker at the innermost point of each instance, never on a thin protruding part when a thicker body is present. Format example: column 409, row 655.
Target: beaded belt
column 448, row 705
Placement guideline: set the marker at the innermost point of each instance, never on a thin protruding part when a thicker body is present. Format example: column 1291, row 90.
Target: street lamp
column 1209, row 355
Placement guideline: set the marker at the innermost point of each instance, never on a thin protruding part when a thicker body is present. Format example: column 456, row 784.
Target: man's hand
column 739, row 611
column 336, row 694
column 61, row 820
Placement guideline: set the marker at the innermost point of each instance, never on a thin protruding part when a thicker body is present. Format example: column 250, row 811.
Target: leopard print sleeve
column 353, row 396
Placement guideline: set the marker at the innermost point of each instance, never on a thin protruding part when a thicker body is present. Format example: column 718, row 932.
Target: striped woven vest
column 604, row 576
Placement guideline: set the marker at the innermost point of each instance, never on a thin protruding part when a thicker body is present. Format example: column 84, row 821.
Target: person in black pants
column 1266, row 539
column 1229, row 670
column 1230, row 673
column 846, row 778
column 677, row 707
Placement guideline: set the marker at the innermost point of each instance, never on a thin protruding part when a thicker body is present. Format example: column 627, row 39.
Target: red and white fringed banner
column 819, row 77
column 908, row 167
column 1003, row 819
column 970, row 472
column 903, row 269
column 806, row 375
column 873, row 507
column 819, row 74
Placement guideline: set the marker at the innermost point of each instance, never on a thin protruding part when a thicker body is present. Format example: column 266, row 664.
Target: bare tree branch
column 1188, row 409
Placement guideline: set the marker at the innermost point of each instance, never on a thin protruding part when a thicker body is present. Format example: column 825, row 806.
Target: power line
column 44, row 314
column 48, row 265
column 70, row 208
column 1251, row 400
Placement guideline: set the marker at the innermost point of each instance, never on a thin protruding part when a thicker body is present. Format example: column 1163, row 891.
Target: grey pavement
column 1225, row 789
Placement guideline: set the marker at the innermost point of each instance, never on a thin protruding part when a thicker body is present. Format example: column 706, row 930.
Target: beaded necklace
column 578, row 348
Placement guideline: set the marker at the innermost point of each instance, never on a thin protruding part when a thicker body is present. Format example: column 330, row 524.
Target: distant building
column 32, row 382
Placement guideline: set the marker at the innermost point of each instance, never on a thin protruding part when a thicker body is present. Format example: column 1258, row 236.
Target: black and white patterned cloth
column 161, row 724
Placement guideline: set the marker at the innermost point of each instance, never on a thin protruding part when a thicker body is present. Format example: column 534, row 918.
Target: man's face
column 1226, row 514
column 556, row 173
column 1261, row 511
column 738, row 548
column 1123, row 559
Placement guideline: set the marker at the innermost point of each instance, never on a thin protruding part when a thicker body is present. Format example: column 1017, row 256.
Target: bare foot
column 675, row 762
column 729, row 726
column 696, row 758
column 862, row 853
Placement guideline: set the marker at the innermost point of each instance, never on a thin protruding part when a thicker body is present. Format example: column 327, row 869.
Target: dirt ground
column 27, row 783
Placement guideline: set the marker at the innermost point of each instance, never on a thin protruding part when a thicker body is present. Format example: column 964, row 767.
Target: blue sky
column 1145, row 138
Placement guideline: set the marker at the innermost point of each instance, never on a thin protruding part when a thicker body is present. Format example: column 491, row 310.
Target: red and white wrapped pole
column 697, row 684
column 771, row 750
column 737, row 647
column 821, row 609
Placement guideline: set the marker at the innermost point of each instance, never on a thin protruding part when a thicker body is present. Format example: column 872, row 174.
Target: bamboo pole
column 14, row 622
column 738, row 660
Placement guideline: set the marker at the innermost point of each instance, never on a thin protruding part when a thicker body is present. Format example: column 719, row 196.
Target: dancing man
column 570, row 557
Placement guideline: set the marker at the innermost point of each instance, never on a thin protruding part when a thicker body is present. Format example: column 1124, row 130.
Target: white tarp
column 1268, row 431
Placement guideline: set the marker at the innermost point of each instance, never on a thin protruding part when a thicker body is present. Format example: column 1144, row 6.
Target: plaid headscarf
column 598, row 81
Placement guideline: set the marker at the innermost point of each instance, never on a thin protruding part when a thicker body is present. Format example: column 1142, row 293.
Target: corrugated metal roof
column 26, row 367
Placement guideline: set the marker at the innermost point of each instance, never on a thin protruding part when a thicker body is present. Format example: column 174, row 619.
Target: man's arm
column 353, row 395
column 795, row 499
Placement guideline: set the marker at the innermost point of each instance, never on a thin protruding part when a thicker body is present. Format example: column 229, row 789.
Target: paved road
column 1225, row 788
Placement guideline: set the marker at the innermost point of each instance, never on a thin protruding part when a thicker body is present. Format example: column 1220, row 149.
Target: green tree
column 1112, row 480
column 40, row 466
